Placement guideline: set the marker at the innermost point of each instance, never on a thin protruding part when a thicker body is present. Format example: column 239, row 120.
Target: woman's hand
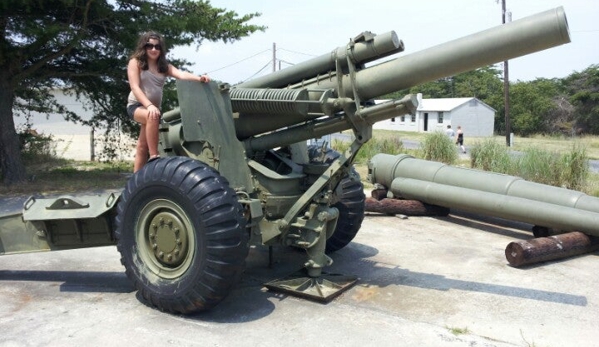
column 153, row 112
column 204, row 78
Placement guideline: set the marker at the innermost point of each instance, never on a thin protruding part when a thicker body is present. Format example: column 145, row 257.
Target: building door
column 426, row 121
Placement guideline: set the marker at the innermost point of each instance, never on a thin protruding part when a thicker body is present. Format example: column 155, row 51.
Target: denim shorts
column 131, row 109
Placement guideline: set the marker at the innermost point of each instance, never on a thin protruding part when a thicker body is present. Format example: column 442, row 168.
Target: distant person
column 450, row 133
column 147, row 71
column 460, row 140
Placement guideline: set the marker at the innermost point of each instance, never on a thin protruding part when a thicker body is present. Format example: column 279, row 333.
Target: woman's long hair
column 141, row 55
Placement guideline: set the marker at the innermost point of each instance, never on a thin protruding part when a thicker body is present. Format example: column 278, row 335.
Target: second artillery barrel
column 531, row 34
column 524, row 36
column 486, row 193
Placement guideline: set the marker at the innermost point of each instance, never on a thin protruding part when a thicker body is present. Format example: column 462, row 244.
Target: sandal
column 154, row 157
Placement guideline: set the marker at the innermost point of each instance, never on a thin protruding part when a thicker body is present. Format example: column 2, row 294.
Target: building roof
column 445, row 104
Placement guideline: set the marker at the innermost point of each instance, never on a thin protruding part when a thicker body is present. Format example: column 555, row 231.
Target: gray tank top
column 151, row 85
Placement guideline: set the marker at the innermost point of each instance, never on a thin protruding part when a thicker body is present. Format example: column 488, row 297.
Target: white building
column 476, row 118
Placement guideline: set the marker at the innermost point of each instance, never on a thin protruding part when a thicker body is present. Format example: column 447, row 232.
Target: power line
column 261, row 52
column 239, row 61
column 296, row 52
column 264, row 67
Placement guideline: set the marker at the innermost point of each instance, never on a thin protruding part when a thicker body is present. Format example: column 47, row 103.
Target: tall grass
column 371, row 148
column 540, row 166
column 490, row 155
column 436, row 146
column 568, row 170
column 576, row 167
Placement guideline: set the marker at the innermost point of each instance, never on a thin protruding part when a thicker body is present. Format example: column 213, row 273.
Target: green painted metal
column 254, row 135
column 166, row 238
column 316, row 129
column 362, row 49
column 354, row 85
column 203, row 128
column 486, row 193
column 65, row 222
column 17, row 236
column 243, row 131
column 524, row 36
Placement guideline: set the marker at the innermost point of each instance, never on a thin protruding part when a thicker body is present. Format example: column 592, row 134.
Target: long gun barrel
column 524, row 36
column 363, row 49
column 486, row 193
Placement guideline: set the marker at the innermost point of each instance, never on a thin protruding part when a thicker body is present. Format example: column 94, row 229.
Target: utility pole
column 274, row 57
column 506, row 86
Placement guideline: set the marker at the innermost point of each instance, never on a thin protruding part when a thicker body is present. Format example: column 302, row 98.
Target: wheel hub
column 168, row 239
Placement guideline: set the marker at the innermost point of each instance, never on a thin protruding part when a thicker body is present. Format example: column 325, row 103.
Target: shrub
column 372, row 147
column 490, row 155
column 540, row 166
column 436, row 146
column 575, row 166
column 569, row 170
column 36, row 147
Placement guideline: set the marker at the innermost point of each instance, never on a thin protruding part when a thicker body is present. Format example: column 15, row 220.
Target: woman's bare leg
column 147, row 143
column 141, row 150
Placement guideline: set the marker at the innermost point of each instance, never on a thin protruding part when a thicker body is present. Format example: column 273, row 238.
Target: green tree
column 583, row 88
column 83, row 46
column 483, row 83
column 531, row 103
column 441, row 88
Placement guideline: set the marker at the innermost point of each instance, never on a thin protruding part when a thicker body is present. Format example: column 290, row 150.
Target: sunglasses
column 149, row 46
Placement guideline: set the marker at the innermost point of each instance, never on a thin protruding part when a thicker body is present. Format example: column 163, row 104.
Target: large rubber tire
column 181, row 235
column 350, row 205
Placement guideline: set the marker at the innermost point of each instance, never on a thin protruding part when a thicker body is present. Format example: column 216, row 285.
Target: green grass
column 567, row 169
column 458, row 331
column 52, row 176
column 388, row 145
column 556, row 161
column 549, row 143
column 490, row 155
column 438, row 147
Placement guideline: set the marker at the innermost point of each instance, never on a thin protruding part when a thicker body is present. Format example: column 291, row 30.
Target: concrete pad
column 420, row 279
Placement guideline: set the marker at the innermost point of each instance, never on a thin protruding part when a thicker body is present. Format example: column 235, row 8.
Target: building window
column 403, row 119
column 393, row 120
column 413, row 120
column 440, row 117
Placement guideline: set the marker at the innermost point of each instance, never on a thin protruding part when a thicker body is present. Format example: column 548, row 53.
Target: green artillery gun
column 236, row 170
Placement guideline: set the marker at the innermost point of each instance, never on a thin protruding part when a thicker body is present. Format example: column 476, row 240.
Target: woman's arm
column 184, row 75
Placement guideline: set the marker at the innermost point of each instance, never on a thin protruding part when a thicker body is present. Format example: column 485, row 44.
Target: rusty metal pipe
column 520, row 253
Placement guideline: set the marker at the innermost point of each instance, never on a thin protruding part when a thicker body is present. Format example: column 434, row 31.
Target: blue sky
column 309, row 28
